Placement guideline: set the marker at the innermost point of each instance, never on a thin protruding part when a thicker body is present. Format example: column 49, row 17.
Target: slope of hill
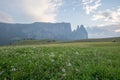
column 35, row 42
column 47, row 41
column 112, row 39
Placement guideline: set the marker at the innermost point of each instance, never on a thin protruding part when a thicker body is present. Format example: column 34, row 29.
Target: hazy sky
column 100, row 15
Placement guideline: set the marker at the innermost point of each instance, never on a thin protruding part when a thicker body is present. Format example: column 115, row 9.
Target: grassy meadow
column 61, row 61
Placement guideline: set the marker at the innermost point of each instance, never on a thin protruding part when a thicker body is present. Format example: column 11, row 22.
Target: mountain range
column 11, row 32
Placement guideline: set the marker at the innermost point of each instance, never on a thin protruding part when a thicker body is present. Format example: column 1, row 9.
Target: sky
column 100, row 17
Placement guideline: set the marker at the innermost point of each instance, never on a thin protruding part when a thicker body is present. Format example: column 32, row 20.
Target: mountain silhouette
column 40, row 30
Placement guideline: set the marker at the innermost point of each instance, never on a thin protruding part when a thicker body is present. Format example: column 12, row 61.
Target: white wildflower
column 1, row 73
column 77, row 53
column 52, row 60
column 76, row 70
column 52, row 55
column 69, row 64
column 23, row 55
column 5, row 78
column 13, row 68
column 63, row 70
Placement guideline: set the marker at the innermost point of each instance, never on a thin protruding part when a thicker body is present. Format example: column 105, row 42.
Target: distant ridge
column 10, row 32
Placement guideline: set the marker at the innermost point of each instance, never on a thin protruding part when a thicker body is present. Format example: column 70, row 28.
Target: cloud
column 91, row 5
column 42, row 10
column 4, row 17
column 117, row 30
column 104, row 31
column 110, row 16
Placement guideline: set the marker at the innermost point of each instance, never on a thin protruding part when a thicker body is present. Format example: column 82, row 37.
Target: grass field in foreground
column 62, row 61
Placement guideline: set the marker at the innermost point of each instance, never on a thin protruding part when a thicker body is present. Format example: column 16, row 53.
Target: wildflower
column 1, row 73
column 5, row 78
column 76, row 53
column 52, row 54
column 76, row 70
column 52, row 60
column 69, row 64
column 13, row 68
column 63, row 70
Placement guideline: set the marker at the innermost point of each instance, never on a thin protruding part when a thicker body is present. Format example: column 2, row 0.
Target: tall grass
column 69, row 61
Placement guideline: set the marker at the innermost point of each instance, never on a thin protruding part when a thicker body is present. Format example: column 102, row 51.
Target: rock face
column 79, row 33
column 39, row 30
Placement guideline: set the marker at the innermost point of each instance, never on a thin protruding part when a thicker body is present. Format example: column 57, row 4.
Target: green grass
column 49, row 41
column 34, row 42
column 61, row 61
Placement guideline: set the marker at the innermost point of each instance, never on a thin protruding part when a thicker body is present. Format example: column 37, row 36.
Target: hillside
column 47, row 41
column 35, row 42
column 112, row 39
